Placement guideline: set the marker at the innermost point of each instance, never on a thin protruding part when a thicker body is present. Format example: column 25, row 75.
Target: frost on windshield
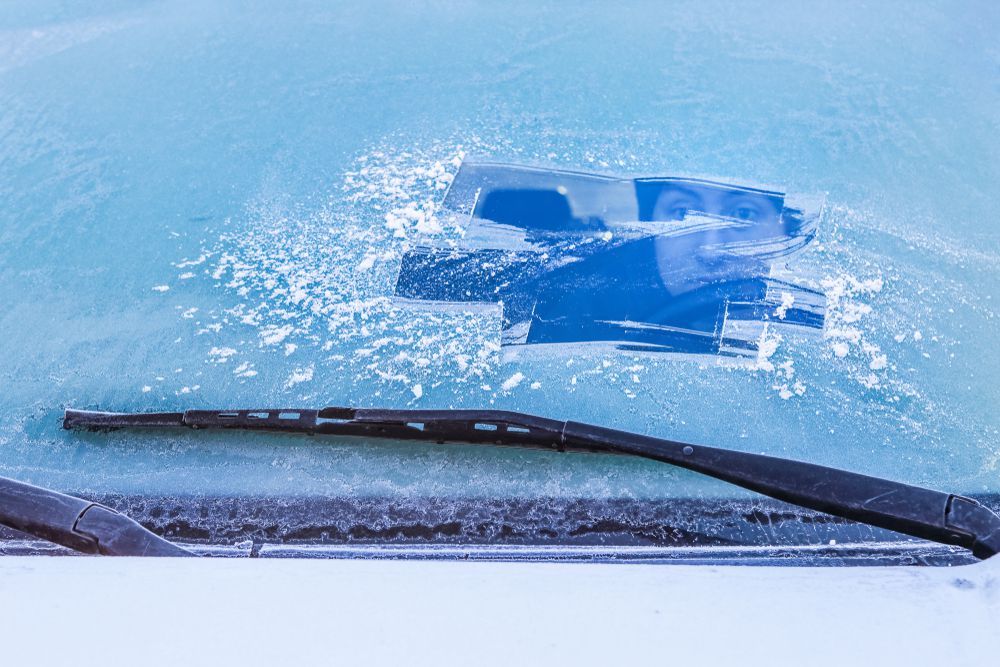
column 677, row 265
column 427, row 277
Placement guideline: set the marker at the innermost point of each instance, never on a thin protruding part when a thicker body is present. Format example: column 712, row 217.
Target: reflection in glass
column 656, row 264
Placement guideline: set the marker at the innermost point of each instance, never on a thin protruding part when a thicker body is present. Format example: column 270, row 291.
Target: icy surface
column 192, row 221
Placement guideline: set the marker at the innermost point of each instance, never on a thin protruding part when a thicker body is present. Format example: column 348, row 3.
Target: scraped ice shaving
column 220, row 355
column 877, row 360
column 417, row 390
column 161, row 288
column 408, row 193
column 192, row 262
column 783, row 369
column 298, row 376
column 273, row 335
column 870, row 381
column 420, row 217
column 845, row 311
column 785, row 392
column 767, row 345
column 244, row 370
column 787, row 300
column 512, row 381
column 323, row 277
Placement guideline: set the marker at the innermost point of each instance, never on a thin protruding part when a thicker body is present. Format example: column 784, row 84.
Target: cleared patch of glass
column 675, row 265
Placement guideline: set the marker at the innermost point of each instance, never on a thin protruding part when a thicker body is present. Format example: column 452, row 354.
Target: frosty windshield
column 694, row 221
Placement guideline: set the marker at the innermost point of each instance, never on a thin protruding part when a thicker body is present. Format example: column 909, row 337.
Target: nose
column 716, row 236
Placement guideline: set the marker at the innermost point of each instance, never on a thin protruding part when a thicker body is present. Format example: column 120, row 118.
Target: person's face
column 692, row 259
column 674, row 203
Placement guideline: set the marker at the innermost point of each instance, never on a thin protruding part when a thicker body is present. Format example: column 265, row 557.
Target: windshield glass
column 761, row 227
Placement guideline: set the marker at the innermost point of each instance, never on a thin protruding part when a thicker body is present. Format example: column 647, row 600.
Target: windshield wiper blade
column 77, row 523
column 931, row 515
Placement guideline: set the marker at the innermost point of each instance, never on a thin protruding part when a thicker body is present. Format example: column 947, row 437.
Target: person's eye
column 745, row 212
column 674, row 207
column 677, row 213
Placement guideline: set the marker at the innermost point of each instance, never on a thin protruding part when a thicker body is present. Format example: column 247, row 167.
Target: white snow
column 512, row 381
column 870, row 381
column 244, row 370
column 298, row 376
column 320, row 276
column 767, row 345
column 192, row 262
column 787, row 299
column 846, row 312
column 273, row 335
column 220, row 355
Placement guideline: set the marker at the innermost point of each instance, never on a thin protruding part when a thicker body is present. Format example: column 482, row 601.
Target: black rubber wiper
column 77, row 523
column 931, row 515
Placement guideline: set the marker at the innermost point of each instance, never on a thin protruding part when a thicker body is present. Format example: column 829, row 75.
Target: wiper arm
column 77, row 523
column 931, row 515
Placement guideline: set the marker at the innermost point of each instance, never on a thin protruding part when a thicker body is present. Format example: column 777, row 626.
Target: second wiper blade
column 932, row 515
column 76, row 523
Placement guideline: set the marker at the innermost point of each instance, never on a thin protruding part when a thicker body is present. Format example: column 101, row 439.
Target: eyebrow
column 778, row 203
column 694, row 194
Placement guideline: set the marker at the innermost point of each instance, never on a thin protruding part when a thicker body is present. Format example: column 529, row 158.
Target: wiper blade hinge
column 77, row 523
column 976, row 524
